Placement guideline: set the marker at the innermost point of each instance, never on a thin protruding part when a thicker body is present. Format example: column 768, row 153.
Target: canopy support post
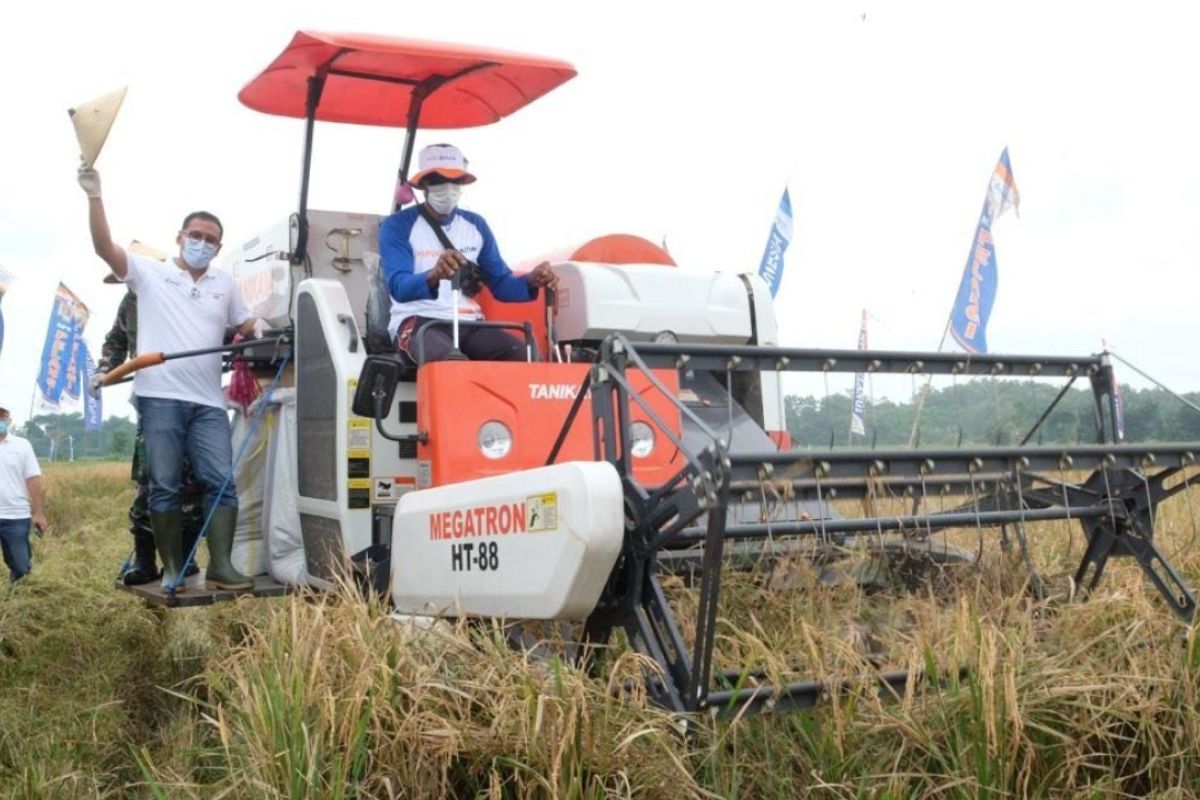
column 316, row 85
column 420, row 92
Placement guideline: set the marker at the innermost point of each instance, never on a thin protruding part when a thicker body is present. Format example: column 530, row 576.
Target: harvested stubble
column 305, row 697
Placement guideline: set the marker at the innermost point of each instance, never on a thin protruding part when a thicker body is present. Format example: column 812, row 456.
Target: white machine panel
column 334, row 504
column 536, row 544
column 644, row 300
column 336, row 241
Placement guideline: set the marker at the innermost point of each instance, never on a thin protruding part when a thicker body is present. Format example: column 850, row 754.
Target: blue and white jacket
column 409, row 248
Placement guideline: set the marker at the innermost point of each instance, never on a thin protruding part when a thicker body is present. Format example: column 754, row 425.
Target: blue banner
column 93, row 408
column 76, row 367
column 67, row 319
column 977, row 291
column 58, row 350
column 771, row 268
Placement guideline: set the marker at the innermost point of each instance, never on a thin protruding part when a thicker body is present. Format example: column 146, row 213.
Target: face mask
column 3, row 427
column 443, row 198
column 197, row 254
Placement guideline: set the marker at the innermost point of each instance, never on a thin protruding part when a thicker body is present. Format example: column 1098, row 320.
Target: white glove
column 89, row 180
column 94, row 383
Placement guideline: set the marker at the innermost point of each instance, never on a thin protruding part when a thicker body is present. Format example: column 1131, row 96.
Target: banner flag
column 977, row 291
column 771, row 267
column 75, row 368
column 67, row 319
column 6, row 279
column 93, row 408
column 859, row 404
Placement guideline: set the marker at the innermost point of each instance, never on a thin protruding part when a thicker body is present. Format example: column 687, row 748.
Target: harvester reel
column 686, row 524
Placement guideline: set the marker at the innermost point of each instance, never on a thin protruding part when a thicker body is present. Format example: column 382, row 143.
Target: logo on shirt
column 436, row 253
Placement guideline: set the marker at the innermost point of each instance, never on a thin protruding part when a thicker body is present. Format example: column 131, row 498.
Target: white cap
column 444, row 159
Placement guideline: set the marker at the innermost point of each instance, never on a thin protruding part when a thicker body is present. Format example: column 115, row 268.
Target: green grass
column 328, row 698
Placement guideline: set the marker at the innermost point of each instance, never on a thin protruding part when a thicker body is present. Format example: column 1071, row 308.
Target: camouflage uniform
column 119, row 344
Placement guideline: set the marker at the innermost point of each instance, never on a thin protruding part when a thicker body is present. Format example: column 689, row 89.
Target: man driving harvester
column 183, row 305
column 426, row 246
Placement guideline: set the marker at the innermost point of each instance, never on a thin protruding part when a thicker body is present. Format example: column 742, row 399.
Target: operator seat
column 378, row 342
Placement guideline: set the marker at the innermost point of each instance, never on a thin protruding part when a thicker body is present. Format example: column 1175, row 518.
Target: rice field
column 327, row 697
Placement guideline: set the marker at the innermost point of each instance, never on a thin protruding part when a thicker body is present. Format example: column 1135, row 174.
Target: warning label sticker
column 359, row 435
column 358, row 493
column 388, row 489
column 541, row 512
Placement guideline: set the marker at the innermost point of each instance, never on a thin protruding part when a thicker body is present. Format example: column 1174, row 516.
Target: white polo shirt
column 17, row 465
column 175, row 314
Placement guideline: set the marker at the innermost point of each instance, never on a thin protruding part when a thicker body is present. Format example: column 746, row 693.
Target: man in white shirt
column 22, row 502
column 182, row 305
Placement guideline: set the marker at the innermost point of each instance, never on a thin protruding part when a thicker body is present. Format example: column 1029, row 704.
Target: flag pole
column 912, row 434
column 857, row 398
column 981, row 255
column 770, row 267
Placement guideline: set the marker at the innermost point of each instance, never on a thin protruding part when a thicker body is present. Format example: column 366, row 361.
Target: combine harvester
column 557, row 489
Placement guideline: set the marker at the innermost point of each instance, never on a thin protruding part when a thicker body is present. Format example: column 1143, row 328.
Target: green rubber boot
column 168, row 540
column 220, row 573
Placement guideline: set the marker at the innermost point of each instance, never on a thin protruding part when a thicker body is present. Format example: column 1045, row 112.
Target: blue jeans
column 14, row 537
column 174, row 428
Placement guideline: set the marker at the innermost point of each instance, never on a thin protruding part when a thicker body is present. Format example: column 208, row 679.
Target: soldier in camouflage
column 119, row 344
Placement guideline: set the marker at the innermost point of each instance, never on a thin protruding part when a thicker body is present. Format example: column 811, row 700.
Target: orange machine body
column 456, row 398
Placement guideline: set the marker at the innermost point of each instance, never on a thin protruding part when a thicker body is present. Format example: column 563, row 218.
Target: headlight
column 495, row 439
column 641, row 439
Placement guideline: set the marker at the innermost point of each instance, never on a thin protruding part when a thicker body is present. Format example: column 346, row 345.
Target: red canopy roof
column 491, row 84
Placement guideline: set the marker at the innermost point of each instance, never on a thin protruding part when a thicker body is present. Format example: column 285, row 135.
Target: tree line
column 989, row 412
column 63, row 437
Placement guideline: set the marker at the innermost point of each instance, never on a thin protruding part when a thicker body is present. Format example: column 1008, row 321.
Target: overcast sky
column 884, row 120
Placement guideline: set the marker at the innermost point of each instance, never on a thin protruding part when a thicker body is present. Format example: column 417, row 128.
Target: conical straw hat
column 92, row 122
